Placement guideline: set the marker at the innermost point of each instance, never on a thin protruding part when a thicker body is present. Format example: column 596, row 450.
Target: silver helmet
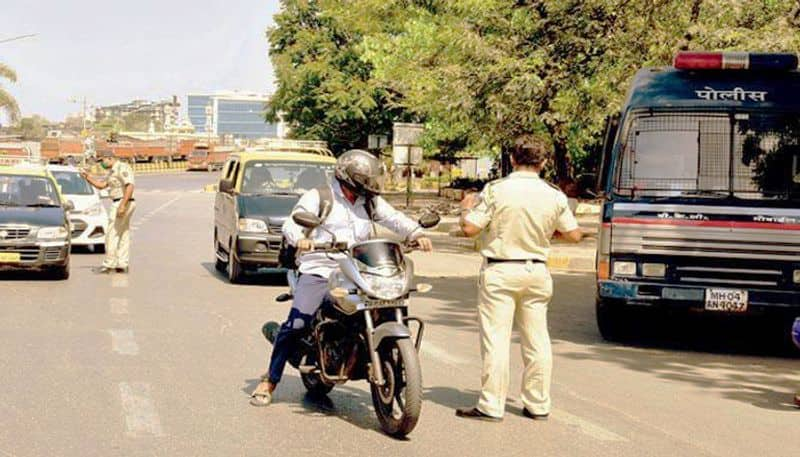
column 361, row 171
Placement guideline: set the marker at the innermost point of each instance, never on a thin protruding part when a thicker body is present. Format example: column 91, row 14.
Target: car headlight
column 625, row 268
column 252, row 225
column 94, row 210
column 52, row 233
column 386, row 288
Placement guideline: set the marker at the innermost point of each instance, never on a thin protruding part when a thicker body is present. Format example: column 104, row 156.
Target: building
column 161, row 115
column 235, row 114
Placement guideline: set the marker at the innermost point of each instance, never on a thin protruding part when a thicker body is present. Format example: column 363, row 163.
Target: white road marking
column 140, row 412
column 119, row 281
column 123, row 342
column 586, row 427
column 118, row 305
column 442, row 354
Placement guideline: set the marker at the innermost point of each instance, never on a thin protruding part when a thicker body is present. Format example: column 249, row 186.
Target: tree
column 32, row 128
column 325, row 90
column 7, row 101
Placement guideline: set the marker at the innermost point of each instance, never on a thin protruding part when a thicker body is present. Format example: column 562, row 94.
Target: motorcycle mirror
column 307, row 220
column 424, row 288
column 429, row 220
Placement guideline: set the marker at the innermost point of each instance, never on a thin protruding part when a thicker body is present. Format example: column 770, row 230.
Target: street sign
column 407, row 134
column 407, row 155
column 377, row 141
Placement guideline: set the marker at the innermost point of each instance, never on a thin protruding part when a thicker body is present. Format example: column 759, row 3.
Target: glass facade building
column 235, row 114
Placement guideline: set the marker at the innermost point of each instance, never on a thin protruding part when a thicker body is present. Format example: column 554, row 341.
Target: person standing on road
column 120, row 184
column 354, row 207
column 516, row 217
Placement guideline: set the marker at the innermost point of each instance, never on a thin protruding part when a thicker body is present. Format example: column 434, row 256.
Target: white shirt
column 349, row 222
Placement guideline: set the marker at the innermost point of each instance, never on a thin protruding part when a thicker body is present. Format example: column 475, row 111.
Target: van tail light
column 603, row 268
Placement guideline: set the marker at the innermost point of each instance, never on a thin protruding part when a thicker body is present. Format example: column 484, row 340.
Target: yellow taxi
column 34, row 229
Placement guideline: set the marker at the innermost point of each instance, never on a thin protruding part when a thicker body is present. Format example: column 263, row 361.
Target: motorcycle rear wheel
column 398, row 403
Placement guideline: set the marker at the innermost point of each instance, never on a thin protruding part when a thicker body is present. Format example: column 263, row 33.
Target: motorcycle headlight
column 52, row 233
column 252, row 225
column 386, row 288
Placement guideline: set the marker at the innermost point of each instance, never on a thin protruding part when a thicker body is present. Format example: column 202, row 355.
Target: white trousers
column 515, row 293
column 118, row 237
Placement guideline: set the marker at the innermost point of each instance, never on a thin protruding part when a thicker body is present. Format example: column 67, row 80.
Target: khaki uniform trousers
column 515, row 293
column 118, row 237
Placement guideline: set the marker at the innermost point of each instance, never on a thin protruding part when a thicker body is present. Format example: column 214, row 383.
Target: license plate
column 726, row 300
column 9, row 257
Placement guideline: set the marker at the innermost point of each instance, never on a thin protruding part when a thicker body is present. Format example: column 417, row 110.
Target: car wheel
column 60, row 273
column 234, row 267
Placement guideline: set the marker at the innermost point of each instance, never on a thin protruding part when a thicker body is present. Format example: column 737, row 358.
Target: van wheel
column 219, row 265
column 612, row 322
column 234, row 267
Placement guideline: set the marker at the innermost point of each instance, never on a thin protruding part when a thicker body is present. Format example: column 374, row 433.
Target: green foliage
column 31, row 128
column 481, row 72
column 7, row 102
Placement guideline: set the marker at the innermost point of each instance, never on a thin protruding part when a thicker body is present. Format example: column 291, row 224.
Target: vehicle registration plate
column 726, row 300
column 9, row 257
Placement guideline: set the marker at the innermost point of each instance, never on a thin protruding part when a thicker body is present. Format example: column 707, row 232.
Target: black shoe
column 536, row 417
column 475, row 413
column 270, row 331
column 123, row 270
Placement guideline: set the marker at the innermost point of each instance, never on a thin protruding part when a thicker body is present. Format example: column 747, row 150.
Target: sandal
column 261, row 396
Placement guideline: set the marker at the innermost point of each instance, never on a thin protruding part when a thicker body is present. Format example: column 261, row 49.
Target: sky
column 114, row 51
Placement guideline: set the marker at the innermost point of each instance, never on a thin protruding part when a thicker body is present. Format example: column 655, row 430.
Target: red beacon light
column 686, row 60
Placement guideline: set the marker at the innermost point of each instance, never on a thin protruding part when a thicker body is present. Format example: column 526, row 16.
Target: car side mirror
column 429, row 220
column 226, row 185
column 307, row 220
column 69, row 206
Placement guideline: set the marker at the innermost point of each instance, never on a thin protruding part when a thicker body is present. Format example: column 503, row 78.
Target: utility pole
column 20, row 37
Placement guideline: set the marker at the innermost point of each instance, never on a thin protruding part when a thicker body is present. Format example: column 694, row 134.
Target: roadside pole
column 407, row 152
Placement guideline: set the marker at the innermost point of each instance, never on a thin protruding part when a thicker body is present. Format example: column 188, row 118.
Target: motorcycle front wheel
column 399, row 401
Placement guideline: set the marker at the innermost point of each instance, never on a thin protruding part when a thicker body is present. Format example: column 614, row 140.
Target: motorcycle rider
column 356, row 205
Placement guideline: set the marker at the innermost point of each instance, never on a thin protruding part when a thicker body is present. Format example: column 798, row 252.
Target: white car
column 89, row 220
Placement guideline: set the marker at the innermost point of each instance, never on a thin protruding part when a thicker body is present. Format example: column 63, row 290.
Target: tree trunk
column 561, row 161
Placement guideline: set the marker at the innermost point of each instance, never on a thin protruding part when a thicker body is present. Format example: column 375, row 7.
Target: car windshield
column 72, row 183
column 711, row 155
column 199, row 153
column 282, row 177
column 20, row 190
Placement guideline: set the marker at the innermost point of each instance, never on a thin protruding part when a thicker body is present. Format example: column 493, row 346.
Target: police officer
column 516, row 217
column 120, row 184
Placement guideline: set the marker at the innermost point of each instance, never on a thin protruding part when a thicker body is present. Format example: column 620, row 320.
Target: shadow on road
column 260, row 278
column 747, row 361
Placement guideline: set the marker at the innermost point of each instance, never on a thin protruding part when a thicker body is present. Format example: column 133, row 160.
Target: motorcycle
column 364, row 331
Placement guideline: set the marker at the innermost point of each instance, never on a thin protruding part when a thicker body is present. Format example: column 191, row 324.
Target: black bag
column 287, row 256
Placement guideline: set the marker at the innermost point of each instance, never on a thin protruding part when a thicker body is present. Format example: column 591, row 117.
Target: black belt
column 118, row 199
column 491, row 260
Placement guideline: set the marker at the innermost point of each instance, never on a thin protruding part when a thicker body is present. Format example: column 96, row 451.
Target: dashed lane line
column 119, row 281
column 118, row 306
column 141, row 418
column 123, row 342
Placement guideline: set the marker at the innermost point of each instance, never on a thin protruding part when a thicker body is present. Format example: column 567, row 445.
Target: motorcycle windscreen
column 383, row 258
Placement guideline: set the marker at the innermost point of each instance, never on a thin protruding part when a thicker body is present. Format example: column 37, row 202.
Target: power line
column 6, row 40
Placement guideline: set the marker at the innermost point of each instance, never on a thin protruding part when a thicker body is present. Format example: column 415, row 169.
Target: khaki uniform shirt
column 518, row 215
column 120, row 176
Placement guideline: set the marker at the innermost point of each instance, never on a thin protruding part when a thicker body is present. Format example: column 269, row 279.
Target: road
column 160, row 362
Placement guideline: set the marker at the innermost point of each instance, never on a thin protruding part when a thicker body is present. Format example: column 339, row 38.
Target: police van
column 701, row 174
